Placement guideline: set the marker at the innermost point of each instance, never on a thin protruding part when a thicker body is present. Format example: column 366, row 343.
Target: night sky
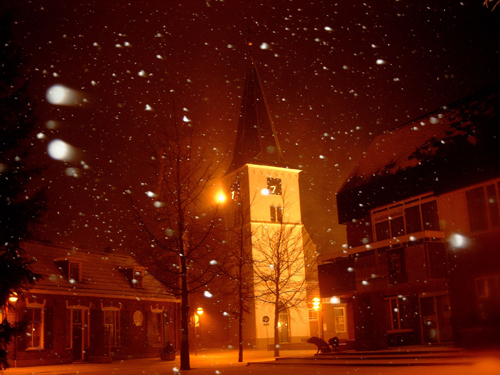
column 336, row 73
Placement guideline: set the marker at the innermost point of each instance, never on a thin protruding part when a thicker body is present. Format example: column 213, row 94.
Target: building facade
column 89, row 306
column 422, row 219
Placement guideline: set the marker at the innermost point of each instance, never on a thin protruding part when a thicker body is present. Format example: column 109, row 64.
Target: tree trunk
column 240, row 322
column 276, row 330
column 185, row 365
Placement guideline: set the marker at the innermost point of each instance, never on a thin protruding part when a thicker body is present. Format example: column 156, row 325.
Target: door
column 436, row 319
column 77, row 337
column 283, row 326
column 444, row 318
column 77, row 342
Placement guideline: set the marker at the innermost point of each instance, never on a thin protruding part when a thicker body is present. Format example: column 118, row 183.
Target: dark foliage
column 19, row 207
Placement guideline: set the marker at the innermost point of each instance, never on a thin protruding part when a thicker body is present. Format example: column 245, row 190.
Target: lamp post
column 319, row 310
column 196, row 320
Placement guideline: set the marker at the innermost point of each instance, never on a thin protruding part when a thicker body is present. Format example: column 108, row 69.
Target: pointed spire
column 256, row 139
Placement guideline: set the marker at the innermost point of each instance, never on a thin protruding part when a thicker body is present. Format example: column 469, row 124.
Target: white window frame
column 116, row 323
column 337, row 323
column 391, row 309
column 313, row 315
column 158, row 311
column 71, row 262
column 487, row 204
column 396, row 210
column 31, row 307
column 85, row 323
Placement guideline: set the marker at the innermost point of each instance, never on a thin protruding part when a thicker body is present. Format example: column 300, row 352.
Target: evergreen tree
column 18, row 206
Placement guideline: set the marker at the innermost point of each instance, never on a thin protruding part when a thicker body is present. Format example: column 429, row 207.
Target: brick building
column 91, row 306
column 423, row 228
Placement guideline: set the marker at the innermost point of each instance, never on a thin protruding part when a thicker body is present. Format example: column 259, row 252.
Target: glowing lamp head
column 316, row 303
column 334, row 300
column 199, row 311
column 220, row 198
column 13, row 297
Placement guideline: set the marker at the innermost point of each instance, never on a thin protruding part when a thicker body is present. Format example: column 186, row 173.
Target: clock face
column 235, row 191
column 274, row 186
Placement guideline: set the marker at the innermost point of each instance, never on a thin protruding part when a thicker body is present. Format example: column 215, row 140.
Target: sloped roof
column 442, row 150
column 256, row 139
column 103, row 274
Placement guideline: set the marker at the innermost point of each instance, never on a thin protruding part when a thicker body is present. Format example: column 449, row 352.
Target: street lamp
column 196, row 320
column 13, row 297
column 317, row 307
column 220, row 198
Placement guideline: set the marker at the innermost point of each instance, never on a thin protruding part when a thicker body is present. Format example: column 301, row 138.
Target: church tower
column 263, row 213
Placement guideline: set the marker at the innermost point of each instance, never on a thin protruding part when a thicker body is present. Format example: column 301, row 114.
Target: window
column 397, row 226
column 482, row 206
column 157, row 318
column 413, row 222
column 488, row 298
column 35, row 316
column 75, row 272
column 398, row 317
column 313, row 314
column 274, row 186
column 277, row 214
column 138, row 278
column 112, row 325
column 382, row 230
column 430, row 216
column 397, row 220
column 493, row 205
column 340, row 322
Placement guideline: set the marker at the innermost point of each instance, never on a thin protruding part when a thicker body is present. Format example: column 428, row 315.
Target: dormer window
column 138, row 278
column 70, row 268
column 135, row 275
column 75, row 272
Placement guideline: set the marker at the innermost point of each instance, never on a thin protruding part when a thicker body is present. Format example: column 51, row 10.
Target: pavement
column 228, row 359
column 418, row 355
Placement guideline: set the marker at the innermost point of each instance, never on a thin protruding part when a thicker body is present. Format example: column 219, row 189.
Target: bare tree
column 176, row 221
column 494, row 3
column 280, row 269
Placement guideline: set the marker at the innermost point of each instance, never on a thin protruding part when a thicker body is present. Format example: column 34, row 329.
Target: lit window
column 35, row 316
column 340, row 322
column 313, row 314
